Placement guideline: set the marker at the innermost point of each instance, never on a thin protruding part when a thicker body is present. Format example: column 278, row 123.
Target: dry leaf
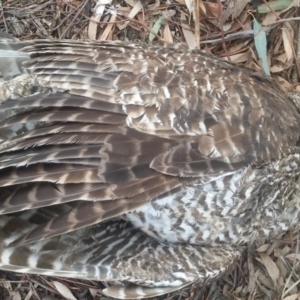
column 137, row 7
column 269, row 19
column 109, row 27
column 291, row 287
column 169, row 13
column 235, row 8
column 16, row 296
column 238, row 58
column 29, row 295
column 263, row 248
column 281, row 267
column 13, row 295
column 282, row 82
column 276, row 69
column 188, row 34
column 135, row 10
column 93, row 292
column 47, row 297
column 282, row 57
column 202, row 7
column 292, row 297
column 98, row 11
column 64, row 291
column 167, row 35
column 266, row 281
column 282, row 252
column 213, row 8
column 271, row 267
column 288, row 37
column 190, row 4
column 293, row 256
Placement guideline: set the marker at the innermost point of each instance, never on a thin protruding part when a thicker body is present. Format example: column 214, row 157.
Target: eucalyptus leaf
column 260, row 41
column 155, row 28
column 274, row 5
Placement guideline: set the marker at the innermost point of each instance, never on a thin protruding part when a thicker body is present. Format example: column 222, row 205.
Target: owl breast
column 236, row 208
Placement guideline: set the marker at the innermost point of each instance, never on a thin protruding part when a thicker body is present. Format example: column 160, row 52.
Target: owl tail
column 113, row 252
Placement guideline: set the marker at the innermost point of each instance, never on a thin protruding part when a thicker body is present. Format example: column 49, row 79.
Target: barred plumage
column 140, row 163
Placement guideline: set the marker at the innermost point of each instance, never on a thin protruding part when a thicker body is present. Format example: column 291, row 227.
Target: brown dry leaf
column 202, row 7
column 181, row 1
column 212, row 8
column 188, row 34
column 276, row 69
column 288, row 37
column 131, row 2
column 167, row 35
column 266, row 281
column 282, row 82
column 282, row 267
column 269, row 19
column 280, row 281
column 235, row 8
column 13, row 295
column 238, row 58
column 190, row 4
column 109, row 27
column 93, row 292
column 137, row 7
column 282, row 251
column 169, row 13
column 291, row 287
column 16, row 295
column 292, row 297
column 29, row 295
column 98, row 12
column 238, row 289
column 293, row 256
column 47, row 297
column 271, row 267
column 263, row 248
column 282, row 57
column 237, row 48
column 64, row 291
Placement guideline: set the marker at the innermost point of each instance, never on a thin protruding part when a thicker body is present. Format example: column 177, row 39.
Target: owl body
column 143, row 165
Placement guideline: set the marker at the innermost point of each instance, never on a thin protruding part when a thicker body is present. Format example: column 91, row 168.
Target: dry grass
column 271, row 271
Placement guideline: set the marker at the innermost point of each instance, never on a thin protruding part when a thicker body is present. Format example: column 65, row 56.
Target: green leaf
column 155, row 28
column 260, row 40
column 275, row 5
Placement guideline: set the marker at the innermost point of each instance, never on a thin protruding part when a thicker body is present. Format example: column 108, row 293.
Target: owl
column 146, row 167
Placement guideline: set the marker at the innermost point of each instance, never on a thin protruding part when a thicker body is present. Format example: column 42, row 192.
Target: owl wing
column 129, row 124
column 125, row 125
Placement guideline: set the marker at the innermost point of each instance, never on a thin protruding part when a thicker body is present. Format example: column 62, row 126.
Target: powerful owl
column 149, row 168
